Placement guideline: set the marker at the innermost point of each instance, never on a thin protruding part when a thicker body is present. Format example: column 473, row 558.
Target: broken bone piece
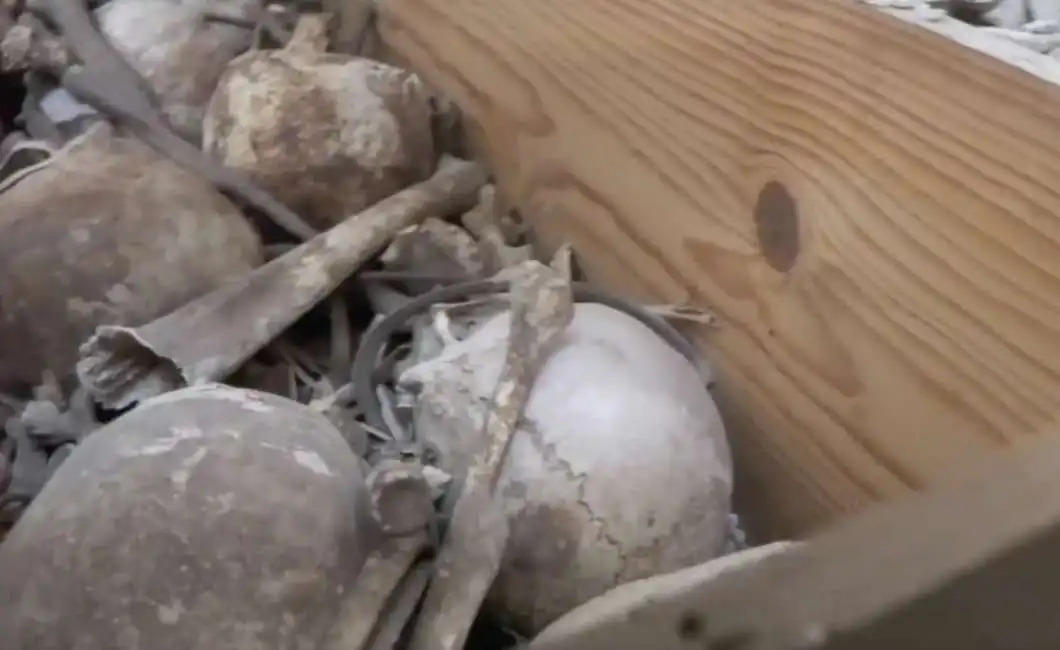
column 187, row 522
column 488, row 227
column 29, row 44
column 470, row 556
column 404, row 604
column 401, row 497
column 620, row 441
column 435, row 247
column 107, row 232
column 327, row 134
column 209, row 338
column 368, row 606
column 58, row 421
column 180, row 56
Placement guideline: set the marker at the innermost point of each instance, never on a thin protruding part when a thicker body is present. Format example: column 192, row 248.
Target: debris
column 406, row 598
column 326, row 134
column 55, row 420
column 485, row 223
column 28, row 473
column 341, row 352
column 270, row 21
column 447, row 126
column 363, row 609
column 195, row 519
column 435, row 247
column 1042, row 27
column 684, row 313
column 343, row 417
column 351, row 20
column 456, row 289
column 180, row 56
column 1039, row 42
column 20, row 157
column 51, row 115
column 478, row 532
column 209, row 338
column 1031, row 24
column 28, row 43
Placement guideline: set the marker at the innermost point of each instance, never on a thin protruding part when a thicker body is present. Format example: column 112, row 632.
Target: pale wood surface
column 916, row 333
column 970, row 566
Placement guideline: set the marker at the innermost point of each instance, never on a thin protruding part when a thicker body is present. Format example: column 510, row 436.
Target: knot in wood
column 777, row 226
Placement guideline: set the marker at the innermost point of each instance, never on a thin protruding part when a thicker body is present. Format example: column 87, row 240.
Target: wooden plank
column 871, row 209
column 973, row 566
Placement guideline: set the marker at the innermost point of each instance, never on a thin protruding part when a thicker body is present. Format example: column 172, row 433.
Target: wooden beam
column 870, row 207
column 972, row 566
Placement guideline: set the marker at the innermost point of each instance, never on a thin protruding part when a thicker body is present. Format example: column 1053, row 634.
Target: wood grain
column 916, row 331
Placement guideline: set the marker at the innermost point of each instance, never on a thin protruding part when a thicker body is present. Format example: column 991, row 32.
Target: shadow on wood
column 870, row 208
